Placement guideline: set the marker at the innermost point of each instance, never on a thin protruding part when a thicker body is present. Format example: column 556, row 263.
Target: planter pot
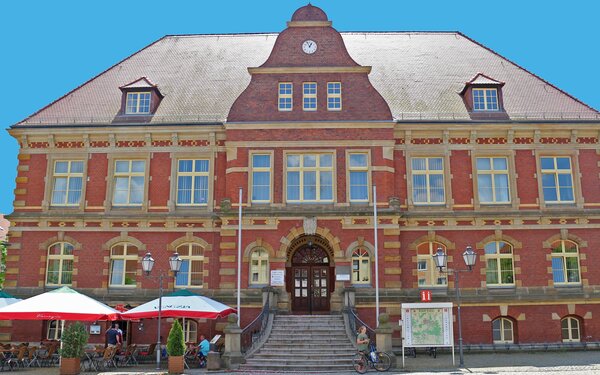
column 69, row 366
column 175, row 365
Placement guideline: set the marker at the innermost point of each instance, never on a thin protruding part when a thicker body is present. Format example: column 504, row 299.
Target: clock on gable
column 309, row 46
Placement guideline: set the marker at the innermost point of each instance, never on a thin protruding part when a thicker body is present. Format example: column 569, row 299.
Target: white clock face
column 309, row 46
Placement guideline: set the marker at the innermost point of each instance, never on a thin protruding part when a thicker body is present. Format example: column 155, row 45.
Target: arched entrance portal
column 310, row 277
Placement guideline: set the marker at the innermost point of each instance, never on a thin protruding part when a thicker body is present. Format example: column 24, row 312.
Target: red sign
column 426, row 296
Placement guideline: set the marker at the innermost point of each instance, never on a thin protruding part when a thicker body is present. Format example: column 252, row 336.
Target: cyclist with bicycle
column 362, row 342
column 369, row 356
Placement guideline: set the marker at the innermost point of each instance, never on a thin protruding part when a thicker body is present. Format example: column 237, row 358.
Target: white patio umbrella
column 7, row 299
column 59, row 304
column 181, row 304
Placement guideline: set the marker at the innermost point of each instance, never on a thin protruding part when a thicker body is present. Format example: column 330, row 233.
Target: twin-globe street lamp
column 147, row 264
column 440, row 258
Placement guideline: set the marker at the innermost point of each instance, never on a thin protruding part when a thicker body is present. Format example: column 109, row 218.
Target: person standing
column 112, row 337
column 362, row 340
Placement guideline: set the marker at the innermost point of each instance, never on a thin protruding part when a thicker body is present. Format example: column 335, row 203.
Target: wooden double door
column 310, row 281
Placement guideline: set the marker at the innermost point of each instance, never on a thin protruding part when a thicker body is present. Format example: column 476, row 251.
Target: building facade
column 463, row 146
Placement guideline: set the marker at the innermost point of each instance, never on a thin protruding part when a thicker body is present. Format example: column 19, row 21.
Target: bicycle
column 380, row 361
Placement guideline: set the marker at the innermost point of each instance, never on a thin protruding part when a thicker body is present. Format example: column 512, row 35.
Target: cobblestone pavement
column 547, row 363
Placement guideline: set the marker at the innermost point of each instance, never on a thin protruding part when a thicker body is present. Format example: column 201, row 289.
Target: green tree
column 175, row 342
column 74, row 338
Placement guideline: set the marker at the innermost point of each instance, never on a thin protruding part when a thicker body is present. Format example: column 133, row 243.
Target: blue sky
column 50, row 47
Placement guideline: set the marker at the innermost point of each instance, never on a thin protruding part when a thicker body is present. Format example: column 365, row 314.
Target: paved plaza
column 548, row 363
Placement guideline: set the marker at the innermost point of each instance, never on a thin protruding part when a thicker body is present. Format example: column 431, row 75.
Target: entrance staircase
column 304, row 343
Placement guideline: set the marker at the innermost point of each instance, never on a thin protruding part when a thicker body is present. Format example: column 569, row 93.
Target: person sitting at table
column 203, row 348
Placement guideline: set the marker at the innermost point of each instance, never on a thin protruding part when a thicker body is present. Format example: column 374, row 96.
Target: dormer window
column 140, row 97
column 137, row 103
column 485, row 99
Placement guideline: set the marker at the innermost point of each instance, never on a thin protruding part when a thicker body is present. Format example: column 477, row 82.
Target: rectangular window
column 137, row 103
column 261, row 178
column 359, row 180
column 129, row 182
column 485, row 99
column 286, row 100
column 68, row 182
column 428, row 181
column 492, row 180
column 309, row 177
column 334, row 96
column 309, row 96
column 192, row 182
column 557, row 179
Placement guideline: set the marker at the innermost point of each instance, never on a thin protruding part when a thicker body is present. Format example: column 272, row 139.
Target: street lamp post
column 147, row 264
column 440, row 258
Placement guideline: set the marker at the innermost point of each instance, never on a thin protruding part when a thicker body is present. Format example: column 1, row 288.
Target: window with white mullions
column 557, row 179
column 334, row 96
column 285, row 98
column 68, row 183
column 309, row 177
column 259, row 266
column 309, row 96
column 570, row 329
column 565, row 263
column 358, row 169
column 499, row 264
column 428, row 274
column 492, row 180
column 192, row 182
column 129, row 182
column 485, row 99
column 123, row 264
column 137, row 103
column 428, row 180
column 502, row 331
column 54, row 329
column 191, row 273
column 59, row 266
column 361, row 266
column 261, row 178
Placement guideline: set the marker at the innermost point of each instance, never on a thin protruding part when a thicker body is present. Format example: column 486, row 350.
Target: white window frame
column 493, row 172
column 61, row 259
column 68, row 175
column 185, row 252
column 430, row 268
column 317, row 169
column 54, row 329
column 193, row 176
column 503, row 321
column 358, row 169
column 333, row 94
column 563, row 255
column 135, row 99
column 125, row 258
column 129, row 175
column 360, row 269
column 190, row 330
column 254, row 169
column 497, row 256
column 569, row 329
column 259, row 265
column 283, row 95
column 555, row 172
column 427, row 172
column 486, row 92
column 308, row 94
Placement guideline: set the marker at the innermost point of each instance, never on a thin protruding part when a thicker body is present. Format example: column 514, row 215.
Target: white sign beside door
column 277, row 277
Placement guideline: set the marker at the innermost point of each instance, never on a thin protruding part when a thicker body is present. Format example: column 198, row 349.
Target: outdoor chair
column 47, row 358
column 21, row 357
column 6, row 362
column 107, row 360
column 191, row 357
column 148, row 353
column 128, row 356
column 32, row 356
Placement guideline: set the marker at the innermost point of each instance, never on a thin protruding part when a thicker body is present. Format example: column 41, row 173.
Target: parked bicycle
column 380, row 361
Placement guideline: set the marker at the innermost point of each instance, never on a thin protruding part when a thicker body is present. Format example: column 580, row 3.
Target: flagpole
column 239, row 256
column 376, row 255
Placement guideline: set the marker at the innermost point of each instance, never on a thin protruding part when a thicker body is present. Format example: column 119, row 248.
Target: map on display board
column 427, row 324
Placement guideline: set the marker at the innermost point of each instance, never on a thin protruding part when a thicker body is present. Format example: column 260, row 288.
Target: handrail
column 253, row 332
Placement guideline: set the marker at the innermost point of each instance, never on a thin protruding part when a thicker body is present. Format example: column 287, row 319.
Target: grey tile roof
column 419, row 74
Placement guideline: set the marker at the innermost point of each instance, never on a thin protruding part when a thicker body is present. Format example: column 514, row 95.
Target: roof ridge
column 88, row 81
column 449, row 32
column 528, row 72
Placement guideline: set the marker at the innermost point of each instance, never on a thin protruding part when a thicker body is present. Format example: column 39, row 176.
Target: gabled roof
column 139, row 83
column 419, row 74
column 481, row 80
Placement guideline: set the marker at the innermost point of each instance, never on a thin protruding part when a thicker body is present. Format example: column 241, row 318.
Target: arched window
column 59, row 267
column 54, row 330
column 192, row 269
column 190, row 330
column 502, row 331
column 123, row 264
column 565, row 262
column 427, row 272
column 361, row 266
column 259, row 266
column 570, row 328
column 499, row 263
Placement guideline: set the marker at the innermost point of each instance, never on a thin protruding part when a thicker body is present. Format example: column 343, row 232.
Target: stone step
column 313, row 333
column 298, row 368
column 306, row 351
column 302, row 361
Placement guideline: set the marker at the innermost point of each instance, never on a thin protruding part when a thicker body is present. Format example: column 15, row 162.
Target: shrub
column 74, row 338
column 175, row 342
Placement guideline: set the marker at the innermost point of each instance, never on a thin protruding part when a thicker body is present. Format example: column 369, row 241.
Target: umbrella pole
column 158, row 347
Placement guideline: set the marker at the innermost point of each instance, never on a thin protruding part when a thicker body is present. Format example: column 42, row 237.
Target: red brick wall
column 97, row 171
column 526, row 183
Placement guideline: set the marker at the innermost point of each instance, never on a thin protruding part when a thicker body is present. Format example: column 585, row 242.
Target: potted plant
column 74, row 338
column 176, row 348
